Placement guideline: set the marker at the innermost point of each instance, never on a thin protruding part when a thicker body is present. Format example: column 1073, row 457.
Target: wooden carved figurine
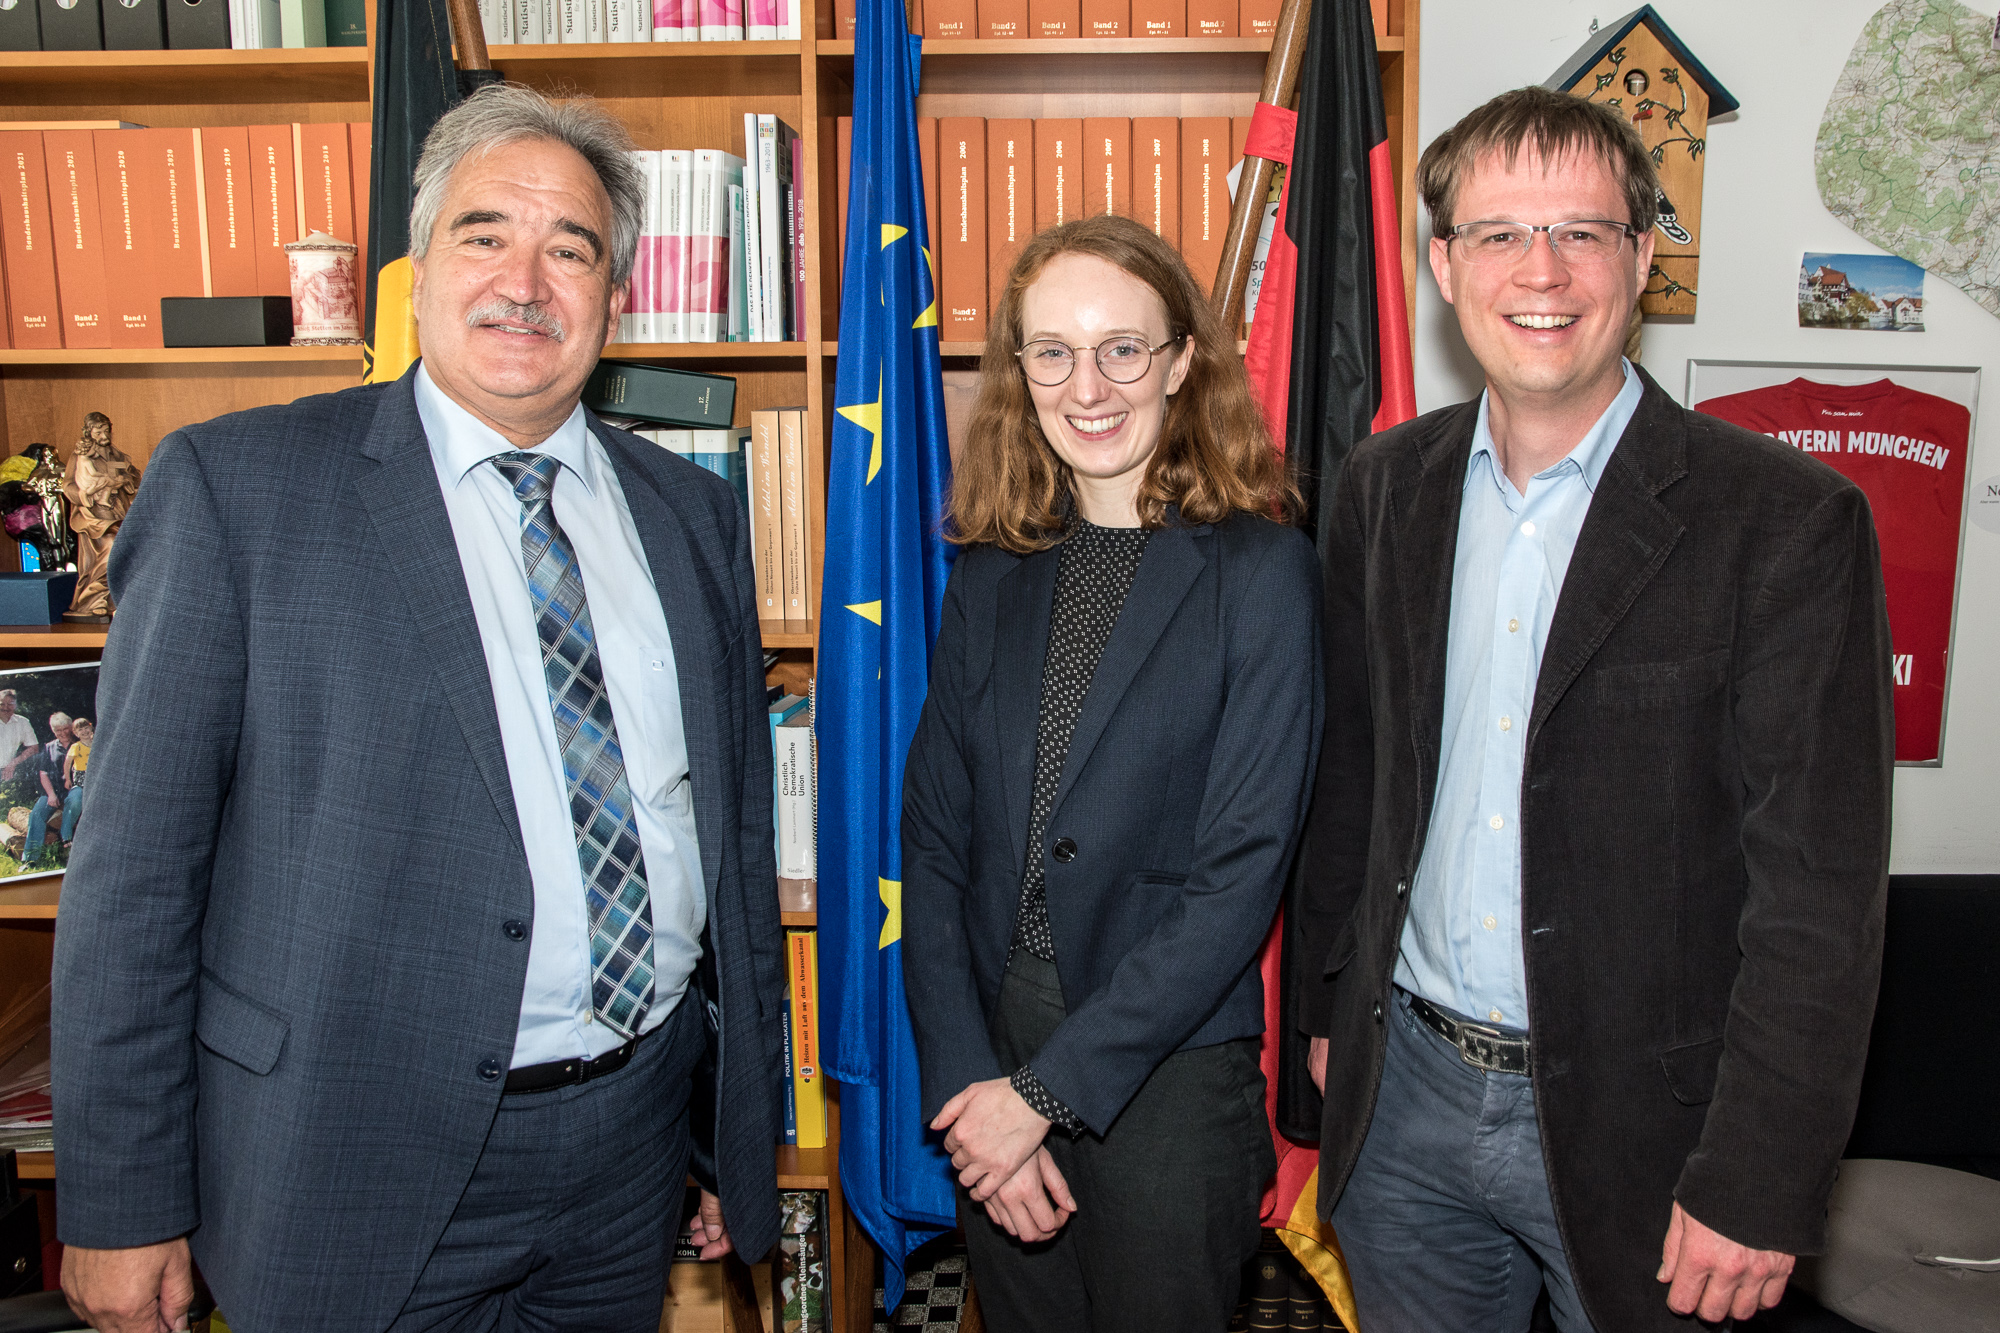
column 1637, row 65
column 99, row 485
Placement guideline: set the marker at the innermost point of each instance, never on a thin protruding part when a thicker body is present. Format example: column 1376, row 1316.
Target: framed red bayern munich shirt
column 1903, row 434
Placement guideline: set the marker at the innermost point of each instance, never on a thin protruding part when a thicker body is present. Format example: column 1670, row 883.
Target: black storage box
column 135, row 25
column 37, row 598
column 72, row 25
column 226, row 321
column 197, row 25
column 20, row 25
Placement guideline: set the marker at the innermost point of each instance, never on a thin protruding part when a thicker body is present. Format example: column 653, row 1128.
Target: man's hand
column 1716, row 1278
column 146, row 1289
column 1316, row 1063
column 1035, row 1202
column 705, row 1228
column 990, row 1133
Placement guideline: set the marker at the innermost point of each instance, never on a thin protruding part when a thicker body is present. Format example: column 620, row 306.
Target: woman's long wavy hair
column 1215, row 454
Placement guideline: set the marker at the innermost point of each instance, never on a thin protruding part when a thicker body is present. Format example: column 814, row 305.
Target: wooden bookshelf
column 670, row 95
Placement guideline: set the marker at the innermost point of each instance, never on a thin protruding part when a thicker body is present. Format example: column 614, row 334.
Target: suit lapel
column 1023, row 602
column 402, row 498
column 1166, row 572
column 1424, row 506
column 1626, row 537
column 691, row 627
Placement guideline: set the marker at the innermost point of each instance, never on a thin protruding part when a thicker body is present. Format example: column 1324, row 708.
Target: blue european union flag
column 881, row 598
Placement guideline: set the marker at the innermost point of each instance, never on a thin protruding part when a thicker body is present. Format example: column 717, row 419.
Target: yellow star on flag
column 867, row 610
column 868, row 416
column 892, row 898
column 929, row 319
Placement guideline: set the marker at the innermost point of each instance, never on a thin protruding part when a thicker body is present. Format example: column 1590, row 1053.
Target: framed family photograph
column 47, row 728
column 1903, row 434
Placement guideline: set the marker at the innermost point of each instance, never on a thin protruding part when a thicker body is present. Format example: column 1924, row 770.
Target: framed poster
column 1903, row 434
column 47, row 729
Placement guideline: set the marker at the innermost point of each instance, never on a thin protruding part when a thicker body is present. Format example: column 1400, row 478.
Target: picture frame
column 1902, row 433
column 29, row 698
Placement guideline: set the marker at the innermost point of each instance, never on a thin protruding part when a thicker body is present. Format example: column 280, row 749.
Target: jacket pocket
column 1342, row 952
column 1644, row 681
column 239, row 1030
column 1157, row 879
column 1690, row 1070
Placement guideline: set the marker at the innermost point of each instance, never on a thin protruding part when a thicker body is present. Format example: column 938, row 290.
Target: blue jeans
column 1446, row 1222
column 72, row 807
column 38, row 828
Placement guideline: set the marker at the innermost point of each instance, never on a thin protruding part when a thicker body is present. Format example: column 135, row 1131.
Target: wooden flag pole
column 1246, row 212
column 468, row 34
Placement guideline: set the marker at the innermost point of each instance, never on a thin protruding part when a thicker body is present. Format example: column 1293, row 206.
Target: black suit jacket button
column 514, row 931
column 1402, row 888
column 490, row 1070
column 1065, row 850
column 1378, row 1011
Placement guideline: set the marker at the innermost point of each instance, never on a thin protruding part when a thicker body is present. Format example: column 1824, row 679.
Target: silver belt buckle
column 1485, row 1048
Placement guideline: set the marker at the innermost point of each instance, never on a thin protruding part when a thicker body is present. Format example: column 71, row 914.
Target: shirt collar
column 1592, row 452
column 461, row 442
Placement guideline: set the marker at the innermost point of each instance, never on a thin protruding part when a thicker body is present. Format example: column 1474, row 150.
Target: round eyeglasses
column 1579, row 244
column 1121, row 360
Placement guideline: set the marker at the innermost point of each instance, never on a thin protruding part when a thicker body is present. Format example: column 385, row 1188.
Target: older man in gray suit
column 426, row 913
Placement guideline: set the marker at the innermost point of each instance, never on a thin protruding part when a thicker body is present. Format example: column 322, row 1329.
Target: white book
column 239, row 25
column 496, row 17
column 569, row 21
column 652, row 249
column 678, row 441
column 753, row 235
column 621, row 19
column 551, row 21
column 594, row 21
column 270, row 22
column 303, row 23
column 738, row 329
column 788, row 20
column 709, row 275
column 528, row 22
column 677, row 184
column 797, row 787
column 774, row 177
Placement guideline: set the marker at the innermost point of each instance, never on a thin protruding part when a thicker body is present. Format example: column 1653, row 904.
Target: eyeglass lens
column 1120, row 360
column 1586, row 242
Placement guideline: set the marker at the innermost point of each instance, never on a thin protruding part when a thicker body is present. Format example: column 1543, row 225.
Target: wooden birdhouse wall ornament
column 1638, row 66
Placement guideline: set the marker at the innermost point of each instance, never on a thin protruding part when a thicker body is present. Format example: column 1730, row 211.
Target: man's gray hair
column 504, row 113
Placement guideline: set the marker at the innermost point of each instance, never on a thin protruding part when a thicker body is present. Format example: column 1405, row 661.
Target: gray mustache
column 507, row 312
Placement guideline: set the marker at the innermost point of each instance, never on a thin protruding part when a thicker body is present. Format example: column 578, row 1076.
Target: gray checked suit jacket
column 280, row 970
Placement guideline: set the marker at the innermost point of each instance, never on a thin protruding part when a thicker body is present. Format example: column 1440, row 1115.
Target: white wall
column 1760, row 212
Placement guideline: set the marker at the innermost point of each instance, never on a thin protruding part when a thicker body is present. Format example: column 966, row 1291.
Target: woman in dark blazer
column 1104, row 793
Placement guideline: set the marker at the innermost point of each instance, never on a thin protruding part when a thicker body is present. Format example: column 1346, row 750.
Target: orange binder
column 1107, row 160
column 952, row 20
column 1156, row 161
column 166, row 160
column 1106, row 18
column 132, row 295
column 1211, row 18
column 274, row 206
column 962, row 251
column 1159, row 18
column 1056, row 19
column 227, row 184
column 1258, row 18
column 326, row 183
column 34, row 311
column 1058, row 172
column 77, row 227
column 1003, row 19
column 1010, row 200
column 1204, row 194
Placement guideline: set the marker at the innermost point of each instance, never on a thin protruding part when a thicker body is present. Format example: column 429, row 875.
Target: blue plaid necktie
column 600, row 800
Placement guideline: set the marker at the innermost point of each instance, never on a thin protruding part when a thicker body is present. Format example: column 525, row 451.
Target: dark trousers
column 1446, row 1222
column 1167, row 1200
column 569, row 1220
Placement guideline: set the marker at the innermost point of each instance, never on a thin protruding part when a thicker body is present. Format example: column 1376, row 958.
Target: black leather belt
column 1479, row 1046
column 568, row 1073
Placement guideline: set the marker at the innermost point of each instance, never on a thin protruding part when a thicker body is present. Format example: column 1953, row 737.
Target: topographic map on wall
column 1909, row 148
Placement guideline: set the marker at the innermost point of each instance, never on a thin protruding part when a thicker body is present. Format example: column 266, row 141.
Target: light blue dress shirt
column 1461, row 946
column 637, row 656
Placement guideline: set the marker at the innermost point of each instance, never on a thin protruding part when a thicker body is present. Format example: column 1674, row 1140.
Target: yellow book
column 767, row 542
column 808, row 1086
column 793, row 505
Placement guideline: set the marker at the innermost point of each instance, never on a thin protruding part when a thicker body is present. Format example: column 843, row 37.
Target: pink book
column 760, row 18
column 690, row 20
column 667, row 21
